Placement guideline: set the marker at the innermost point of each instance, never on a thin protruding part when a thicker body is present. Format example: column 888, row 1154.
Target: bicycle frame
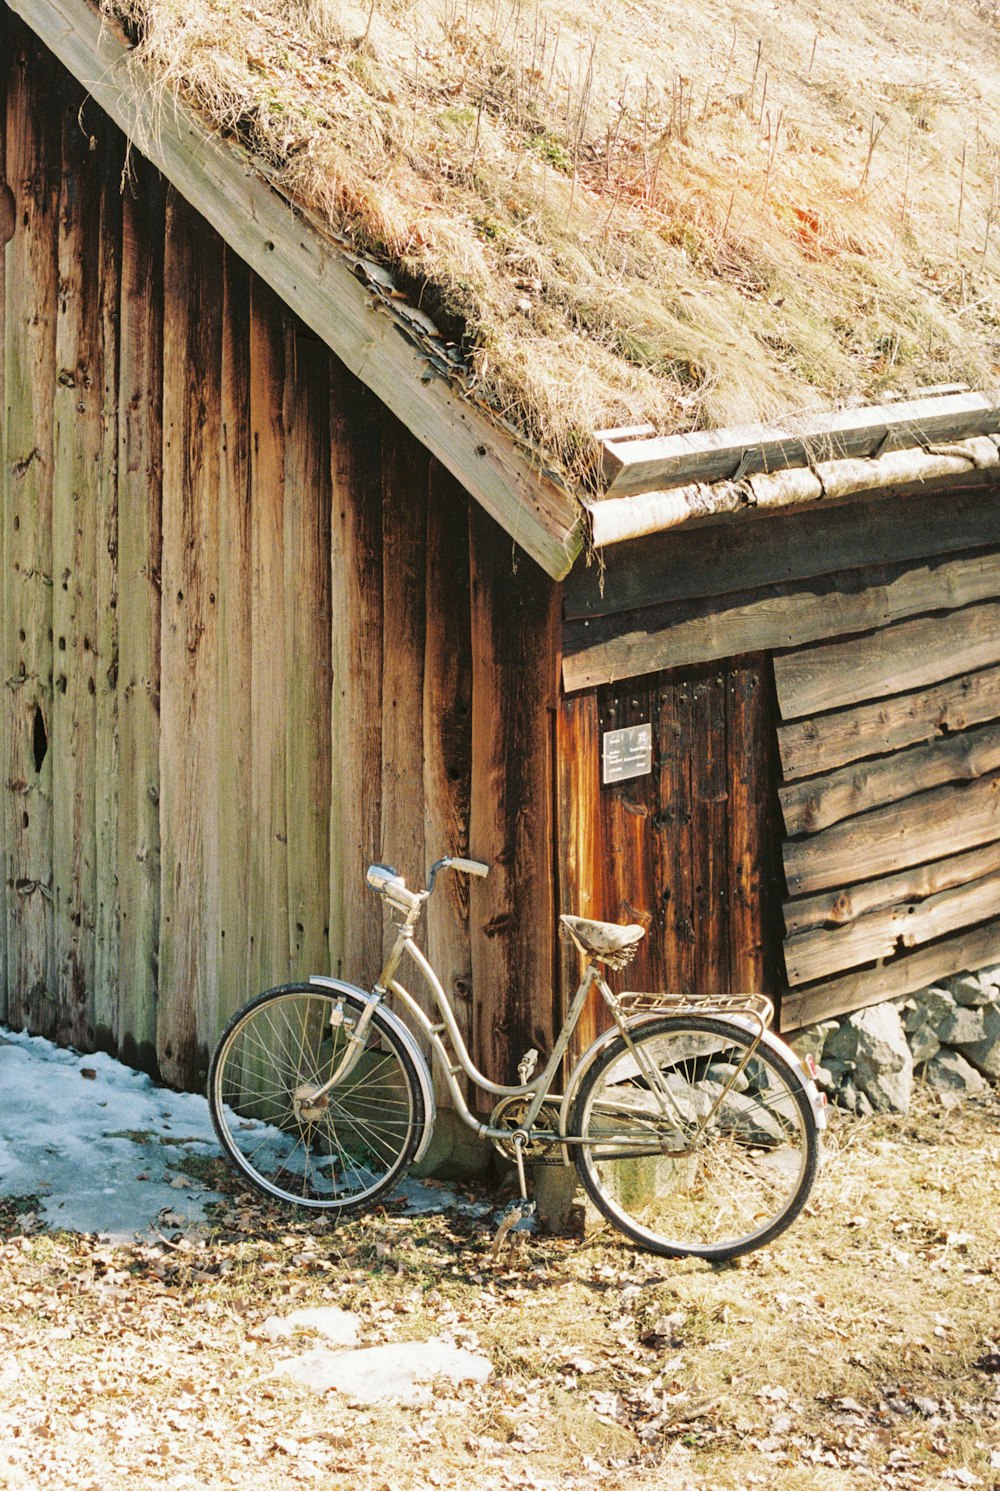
column 458, row 1059
column 538, row 1089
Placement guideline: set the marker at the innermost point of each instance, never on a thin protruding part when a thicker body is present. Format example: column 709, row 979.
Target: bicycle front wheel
column 684, row 1152
column 337, row 1150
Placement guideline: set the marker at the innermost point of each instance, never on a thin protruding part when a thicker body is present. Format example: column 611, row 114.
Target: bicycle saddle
column 606, row 941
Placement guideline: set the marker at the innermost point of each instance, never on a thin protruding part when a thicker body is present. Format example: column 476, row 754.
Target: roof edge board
column 618, row 519
column 317, row 280
column 634, row 466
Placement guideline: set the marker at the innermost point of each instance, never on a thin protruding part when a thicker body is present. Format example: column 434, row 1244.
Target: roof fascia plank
column 633, row 466
column 316, row 279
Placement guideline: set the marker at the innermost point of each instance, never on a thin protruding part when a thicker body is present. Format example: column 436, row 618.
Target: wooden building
column 276, row 600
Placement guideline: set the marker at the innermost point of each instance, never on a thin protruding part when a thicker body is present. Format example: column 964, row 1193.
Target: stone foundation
column 949, row 1035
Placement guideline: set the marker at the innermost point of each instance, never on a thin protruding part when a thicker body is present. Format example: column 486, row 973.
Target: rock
column 962, row 1027
column 810, row 1042
column 929, row 1008
column 967, row 989
column 874, row 1040
column 984, row 1054
column 989, row 981
column 950, row 1072
column 400, row 1372
column 923, row 1044
column 848, row 1096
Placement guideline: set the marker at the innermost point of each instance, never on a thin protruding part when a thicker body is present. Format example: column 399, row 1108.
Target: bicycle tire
column 712, row 1193
column 352, row 1144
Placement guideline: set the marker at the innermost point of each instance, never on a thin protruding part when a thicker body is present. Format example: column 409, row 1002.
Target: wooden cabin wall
column 252, row 638
column 881, row 621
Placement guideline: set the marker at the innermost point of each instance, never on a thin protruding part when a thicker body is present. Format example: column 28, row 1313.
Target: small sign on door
column 627, row 753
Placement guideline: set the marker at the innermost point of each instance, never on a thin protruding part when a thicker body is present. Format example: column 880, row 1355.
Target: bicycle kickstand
column 520, row 1210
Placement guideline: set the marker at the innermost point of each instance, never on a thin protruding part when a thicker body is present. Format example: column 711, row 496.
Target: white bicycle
column 694, row 1129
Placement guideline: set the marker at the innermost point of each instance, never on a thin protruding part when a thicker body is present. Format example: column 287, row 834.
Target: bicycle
column 694, row 1129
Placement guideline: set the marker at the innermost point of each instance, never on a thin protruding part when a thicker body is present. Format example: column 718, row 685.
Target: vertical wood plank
column 32, row 139
column 75, row 517
column 709, row 838
column 514, row 652
column 140, row 480
column 447, row 735
column 268, row 891
column 6, row 232
column 236, row 825
column 630, row 828
column 308, row 765
column 673, row 844
column 580, row 841
column 189, row 641
column 749, row 853
column 405, row 477
column 107, row 921
column 356, row 597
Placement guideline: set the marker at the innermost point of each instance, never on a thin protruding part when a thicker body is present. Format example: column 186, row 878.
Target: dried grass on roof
column 686, row 215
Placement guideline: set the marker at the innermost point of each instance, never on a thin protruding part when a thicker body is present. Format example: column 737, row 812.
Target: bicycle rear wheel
column 686, row 1157
column 337, row 1151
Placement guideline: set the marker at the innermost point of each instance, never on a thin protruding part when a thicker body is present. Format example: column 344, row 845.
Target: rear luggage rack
column 756, row 1007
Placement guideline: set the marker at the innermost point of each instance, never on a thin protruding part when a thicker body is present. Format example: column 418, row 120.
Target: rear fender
column 773, row 1042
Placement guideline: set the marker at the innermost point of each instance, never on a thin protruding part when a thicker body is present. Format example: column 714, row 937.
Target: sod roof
column 687, row 215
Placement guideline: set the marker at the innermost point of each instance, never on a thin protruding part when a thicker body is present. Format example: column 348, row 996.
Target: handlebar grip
column 470, row 866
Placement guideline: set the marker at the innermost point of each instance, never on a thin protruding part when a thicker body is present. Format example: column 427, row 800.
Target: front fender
column 406, row 1038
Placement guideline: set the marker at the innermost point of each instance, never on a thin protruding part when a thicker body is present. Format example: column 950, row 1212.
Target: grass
column 681, row 215
column 853, row 1353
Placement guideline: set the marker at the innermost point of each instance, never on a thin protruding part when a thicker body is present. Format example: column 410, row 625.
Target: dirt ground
column 862, row 1349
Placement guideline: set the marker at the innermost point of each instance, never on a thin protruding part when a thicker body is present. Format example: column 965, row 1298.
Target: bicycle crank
column 509, row 1114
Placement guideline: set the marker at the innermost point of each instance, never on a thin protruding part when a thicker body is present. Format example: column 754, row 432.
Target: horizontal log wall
column 891, row 803
column 883, row 621
column 252, row 638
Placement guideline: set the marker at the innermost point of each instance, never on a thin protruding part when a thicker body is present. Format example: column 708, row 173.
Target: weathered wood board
column 447, row 736
column 908, row 655
column 514, row 658
column 885, row 934
column 236, row 826
column 307, row 579
column 33, row 170
column 189, row 640
column 821, row 801
column 268, row 884
column 775, row 617
column 810, row 746
column 6, row 232
column 715, row 557
column 107, row 926
column 132, row 1027
column 974, row 948
column 76, row 518
column 650, row 462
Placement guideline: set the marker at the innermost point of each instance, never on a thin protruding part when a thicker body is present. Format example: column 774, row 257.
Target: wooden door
column 691, row 849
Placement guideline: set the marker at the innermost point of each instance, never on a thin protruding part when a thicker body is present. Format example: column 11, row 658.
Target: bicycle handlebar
column 387, row 881
column 467, row 866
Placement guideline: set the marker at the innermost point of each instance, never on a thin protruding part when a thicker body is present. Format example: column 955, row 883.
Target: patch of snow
column 102, row 1152
column 400, row 1372
column 103, row 1147
column 339, row 1326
